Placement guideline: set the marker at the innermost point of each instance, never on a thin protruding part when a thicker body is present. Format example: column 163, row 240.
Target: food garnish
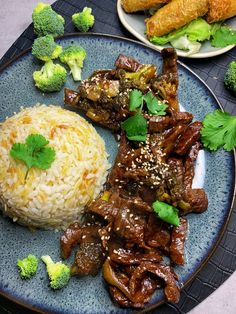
column 34, row 153
column 190, row 36
column 135, row 127
column 74, row 56
column 45, row 49
column 50, row 78
column 223, row 37
column 46, row 21
column 166, row 212
column 154, row 106
column 28, row 266
column 230, row 77
column 219, row 130
column 84, row 20
column 59, row 273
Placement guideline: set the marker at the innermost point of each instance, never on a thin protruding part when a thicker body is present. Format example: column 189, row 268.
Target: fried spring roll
column 220, row 10
column 174, row 15
column 140, row 5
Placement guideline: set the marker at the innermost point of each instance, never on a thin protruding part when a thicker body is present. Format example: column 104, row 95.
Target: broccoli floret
column 230, row 77
column 27, row 267
column 51, row 77
column 59, row 273
column 74, row 56
column 47, row 21
column 84, row 20
column 44, row 48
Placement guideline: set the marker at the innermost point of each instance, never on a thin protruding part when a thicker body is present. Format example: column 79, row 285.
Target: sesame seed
column 84, row 236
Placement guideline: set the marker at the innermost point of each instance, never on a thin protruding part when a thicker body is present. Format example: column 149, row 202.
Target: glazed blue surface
column 89, row 295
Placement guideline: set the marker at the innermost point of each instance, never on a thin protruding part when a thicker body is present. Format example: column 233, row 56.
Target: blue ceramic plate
column 135, row 24
column 215, row 173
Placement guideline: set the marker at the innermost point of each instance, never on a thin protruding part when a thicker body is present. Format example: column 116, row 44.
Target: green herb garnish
column 135, row 127
column 219, row 130
column 223, row 37
column 155, row 106
column 33, row 152
column 166, row 212
column 135, row 99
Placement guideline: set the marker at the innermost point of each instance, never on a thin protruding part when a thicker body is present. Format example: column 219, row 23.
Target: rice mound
column 55, row 197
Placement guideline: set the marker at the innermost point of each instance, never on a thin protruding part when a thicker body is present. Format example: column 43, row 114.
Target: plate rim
column 180, row 53
column 214, row 246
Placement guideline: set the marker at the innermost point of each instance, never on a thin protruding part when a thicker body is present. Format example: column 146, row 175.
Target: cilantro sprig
column 223, row 37
column 136, row 126
column 34, row 153
column 219, row 130
column 154, row 106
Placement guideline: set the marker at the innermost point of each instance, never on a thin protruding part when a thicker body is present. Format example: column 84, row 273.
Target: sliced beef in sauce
column 127, row 239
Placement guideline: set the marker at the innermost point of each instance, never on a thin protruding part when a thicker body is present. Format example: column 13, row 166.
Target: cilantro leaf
column 219, row 130
column 44, row 158
column 223, row 37
column 36, row 141
column 154, row 106
column 33, row 152
column 166, row 212
column 135, row 99
column 20, row 151
column 135, row 127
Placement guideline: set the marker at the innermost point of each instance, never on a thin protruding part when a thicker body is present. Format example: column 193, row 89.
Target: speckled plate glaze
column 89, row 295
column 135, row 24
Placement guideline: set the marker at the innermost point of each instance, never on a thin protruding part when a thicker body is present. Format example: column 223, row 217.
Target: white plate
column 135, row 24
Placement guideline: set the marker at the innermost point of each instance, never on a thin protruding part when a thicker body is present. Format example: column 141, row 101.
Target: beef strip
column 162, row 123
column 171, row 290
column 175, row 181
column 127, row 63
column 197, row 200
column 189, row 137
column 178, row 237
column 88, row 260
column 70, row 239
column 166, row 84
column 120, row 279
column 157, row 233
column 132, row 257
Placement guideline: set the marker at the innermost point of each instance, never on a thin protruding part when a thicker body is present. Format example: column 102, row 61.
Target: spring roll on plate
column 174, row 15
column 140, row 5
column 220, row 10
